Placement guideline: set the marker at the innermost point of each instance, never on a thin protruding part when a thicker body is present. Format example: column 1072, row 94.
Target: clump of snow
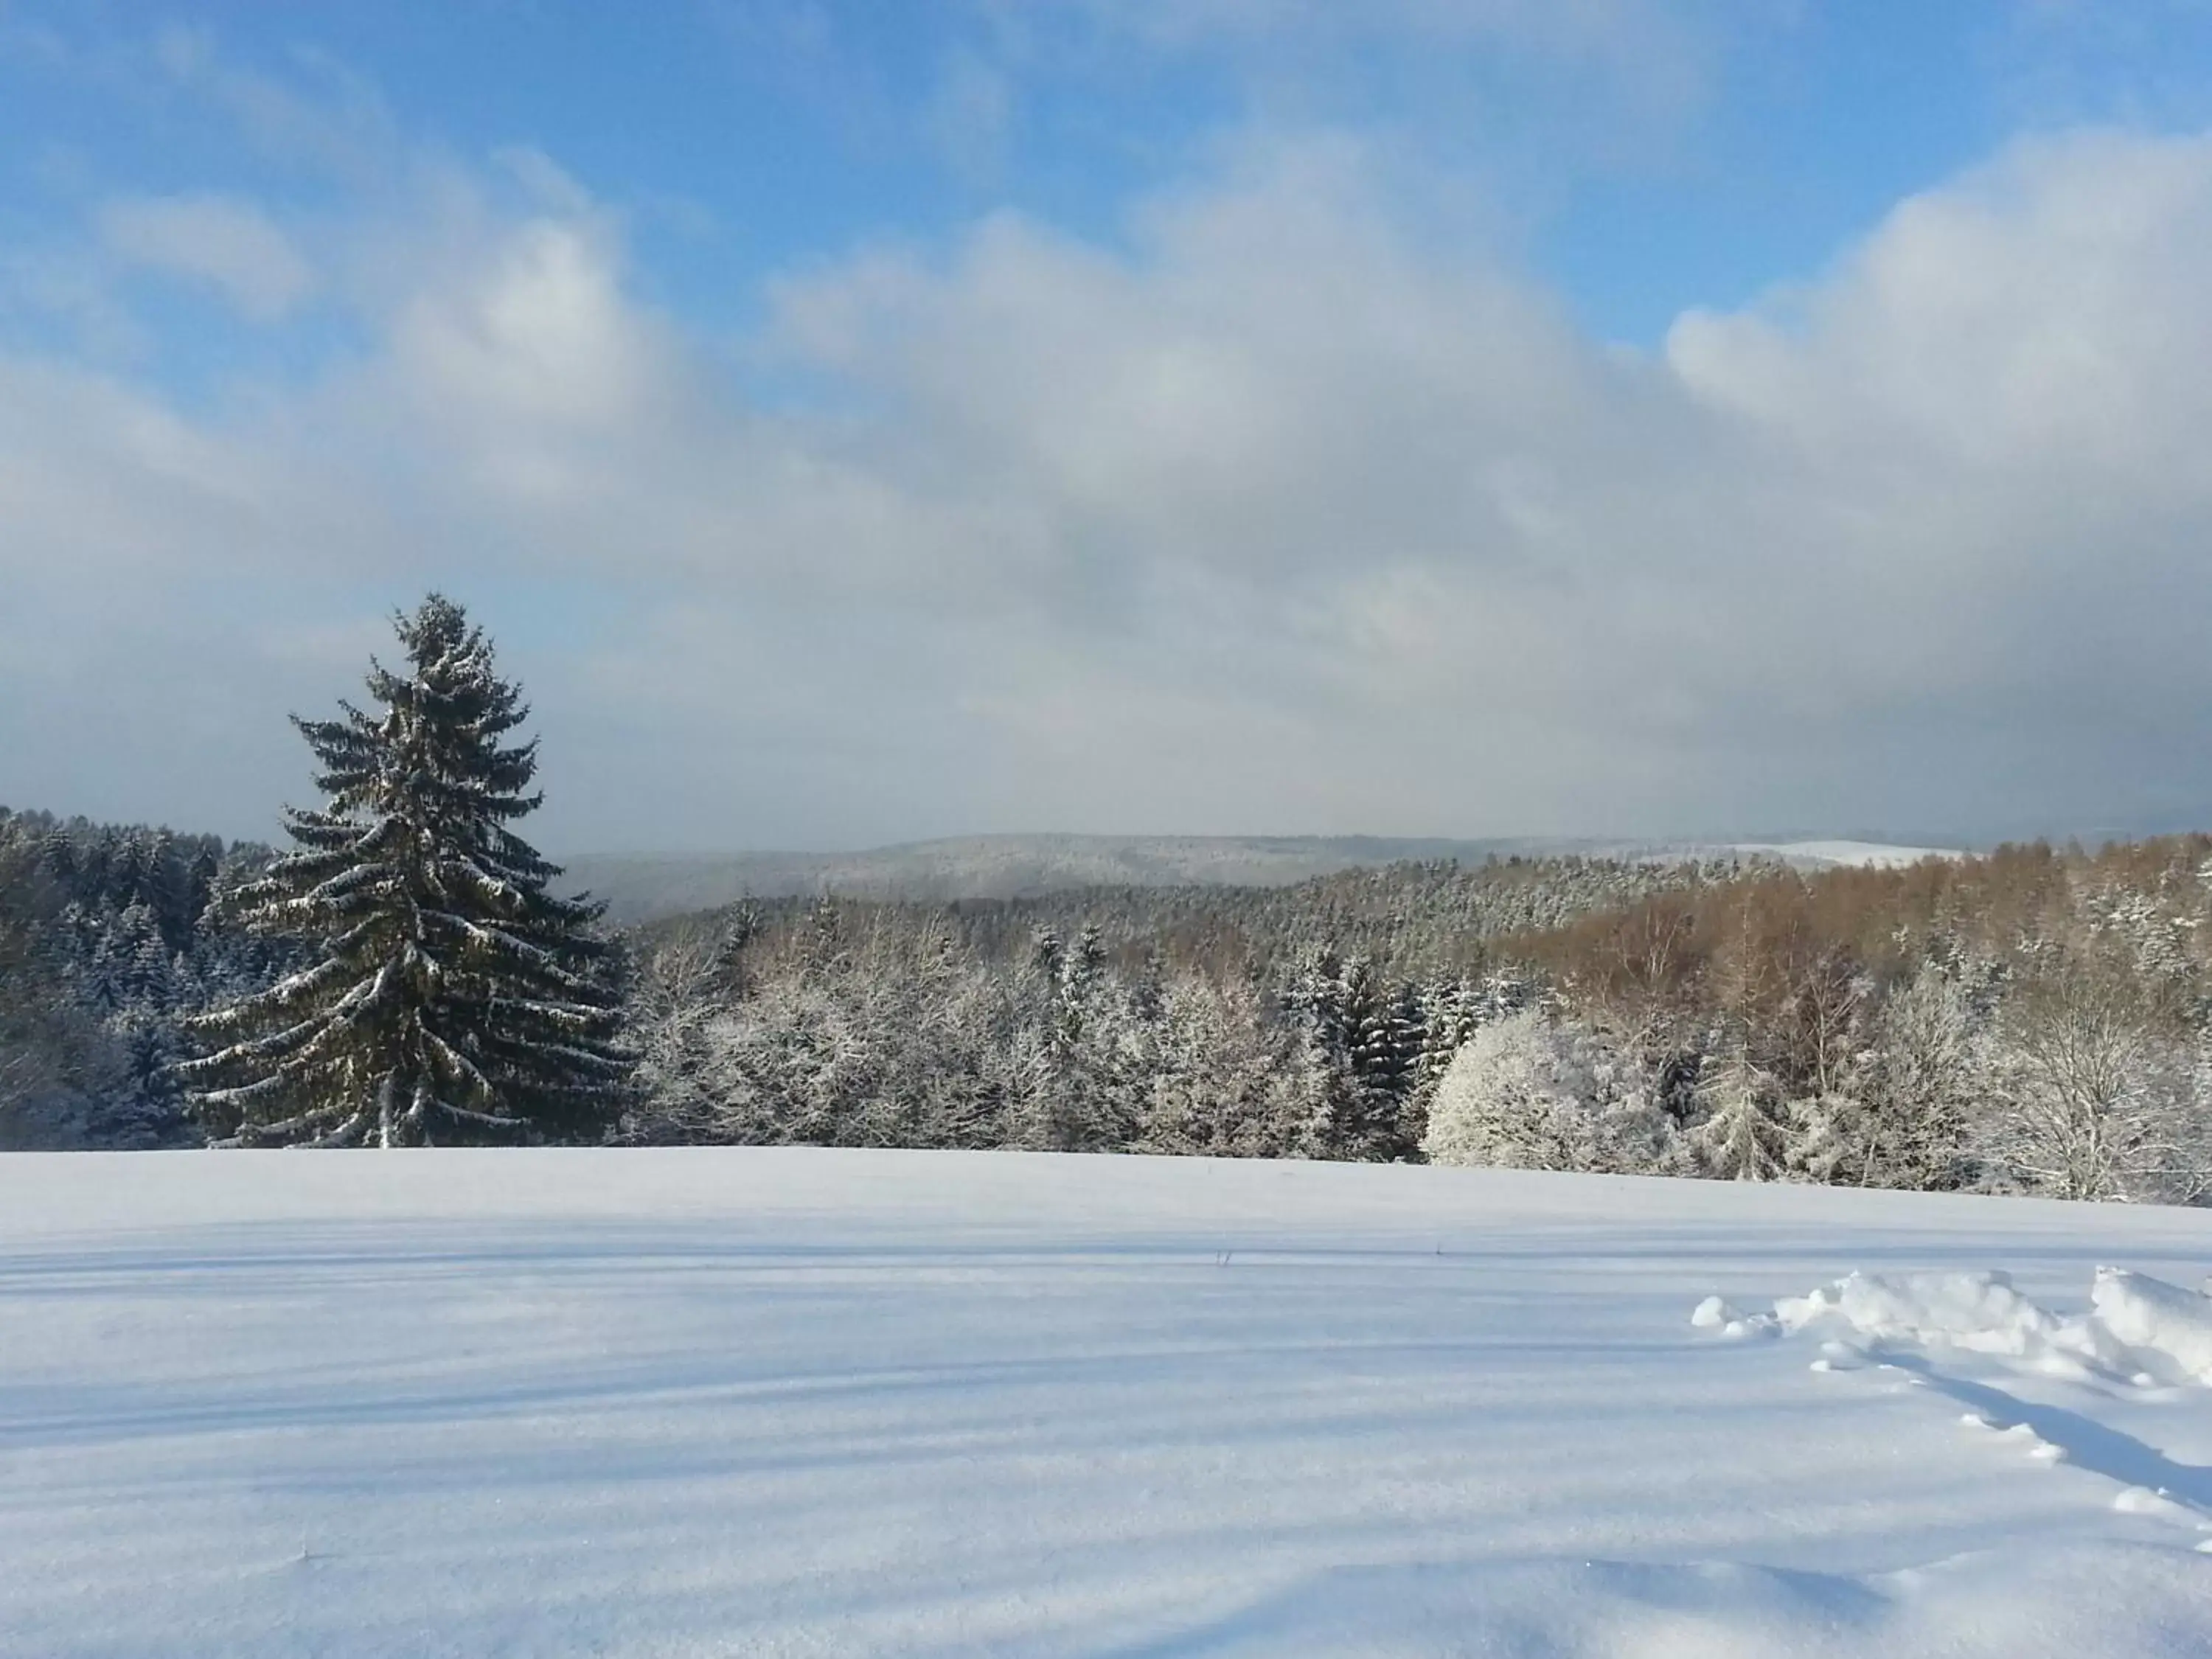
column 1980, row 1312
column 1715, row 1315
column 2141, row 1500
column 2023, row 1435
column 2153, row 1317
column 2137, row 1326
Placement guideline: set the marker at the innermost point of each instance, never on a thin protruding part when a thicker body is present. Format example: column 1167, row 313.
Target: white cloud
column 229, row 245
column 1275, row 516
column 2033, row 315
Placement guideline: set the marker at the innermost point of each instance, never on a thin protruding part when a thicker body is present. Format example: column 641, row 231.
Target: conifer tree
column 1365, row 1037
column 1932, row 1069
column 453, row 997
column 1743, row 1139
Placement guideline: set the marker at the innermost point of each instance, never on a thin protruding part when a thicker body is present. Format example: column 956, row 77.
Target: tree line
column 2037, row 1020
column 2034, row 1021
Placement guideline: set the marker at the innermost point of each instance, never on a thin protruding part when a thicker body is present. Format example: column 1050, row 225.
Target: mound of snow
column 1715, row 1315
column 1979, row 1312
column 2155, row 1318
column 2137, row 1325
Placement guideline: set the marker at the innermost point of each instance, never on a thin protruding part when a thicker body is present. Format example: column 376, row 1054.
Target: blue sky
column 743, row 138
column 864, row 421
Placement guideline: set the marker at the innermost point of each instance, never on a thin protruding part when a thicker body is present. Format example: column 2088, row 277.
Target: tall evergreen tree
column 454, row 998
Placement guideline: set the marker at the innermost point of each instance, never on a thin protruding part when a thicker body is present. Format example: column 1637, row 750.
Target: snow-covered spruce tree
column 453, row 997
column 1930, row 1075
column 1362, row 1038
column 1225, row 1079
column 1743, row 1136
column 1081, row 1057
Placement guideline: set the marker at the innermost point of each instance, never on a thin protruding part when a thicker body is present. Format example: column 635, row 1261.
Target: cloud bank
column 1274, row 511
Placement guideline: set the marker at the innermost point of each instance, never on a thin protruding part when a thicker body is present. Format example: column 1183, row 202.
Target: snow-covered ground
column 794, row 1402
column 1830, row 854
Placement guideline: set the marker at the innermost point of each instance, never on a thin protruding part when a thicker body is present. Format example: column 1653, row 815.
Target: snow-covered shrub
column 1827, row 1137
column 1534, row 1091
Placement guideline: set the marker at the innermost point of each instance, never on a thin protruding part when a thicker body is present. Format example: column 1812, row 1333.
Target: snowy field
column 1857, row 855
column 793, row 1402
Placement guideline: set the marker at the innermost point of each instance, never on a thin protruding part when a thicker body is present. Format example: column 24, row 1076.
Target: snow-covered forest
column 108, row 938
column 2035, row 1021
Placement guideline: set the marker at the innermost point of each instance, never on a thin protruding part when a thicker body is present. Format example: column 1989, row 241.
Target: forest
column 2034, row 1020
column 410, row 972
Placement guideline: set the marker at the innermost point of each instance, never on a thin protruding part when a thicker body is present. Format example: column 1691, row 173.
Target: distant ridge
column 1828, row 854
column 641, row 887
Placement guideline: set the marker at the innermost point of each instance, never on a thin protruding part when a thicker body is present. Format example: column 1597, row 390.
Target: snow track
column 2053, row 1387
column 794, row 1402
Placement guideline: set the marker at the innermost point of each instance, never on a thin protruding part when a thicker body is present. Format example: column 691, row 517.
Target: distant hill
column 1828, row 854
column 641, row 887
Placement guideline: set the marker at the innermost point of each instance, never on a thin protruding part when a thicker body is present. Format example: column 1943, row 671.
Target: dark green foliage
column 452, row 998
column 1365, row 1037
column 104, row 940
